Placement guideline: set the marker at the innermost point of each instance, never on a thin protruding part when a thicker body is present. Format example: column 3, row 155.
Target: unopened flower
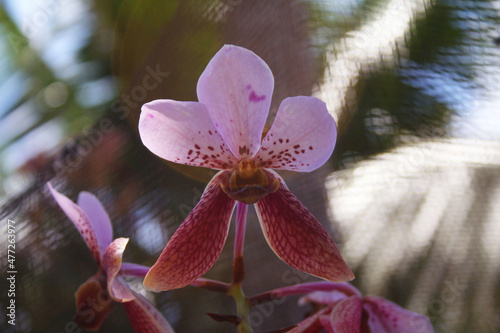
column 95, row 298
column 224, row 131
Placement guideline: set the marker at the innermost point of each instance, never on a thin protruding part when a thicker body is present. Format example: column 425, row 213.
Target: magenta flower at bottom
column 346, row 311
column 224, row 131
column 96, row 297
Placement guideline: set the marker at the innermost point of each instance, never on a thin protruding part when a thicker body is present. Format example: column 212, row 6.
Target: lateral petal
column 297, row 237
column 182, row 132
column 98, row 217
column 301, row 138
column 81, row 222
column 197, row 243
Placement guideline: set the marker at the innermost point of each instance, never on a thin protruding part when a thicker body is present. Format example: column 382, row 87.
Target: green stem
column 236, row 289
column 242, row 308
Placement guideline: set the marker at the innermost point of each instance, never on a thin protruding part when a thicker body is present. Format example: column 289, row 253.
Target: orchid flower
column 94, row 298
column 345, row 310
column 224, row 131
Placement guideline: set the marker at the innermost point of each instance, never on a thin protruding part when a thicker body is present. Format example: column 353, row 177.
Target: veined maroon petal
column 301, row 138
column 297, row 237
column 144, row 317
column 111, row 263
column 236, row 87
column 387, row 317
column 98, row 217
column 197, row 243
column 81, row 222
column 346, row 315
column 182, row 132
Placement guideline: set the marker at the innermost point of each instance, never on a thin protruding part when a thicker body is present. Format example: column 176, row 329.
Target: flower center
column 248, row 183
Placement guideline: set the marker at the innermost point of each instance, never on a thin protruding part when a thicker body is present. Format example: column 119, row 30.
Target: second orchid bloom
column 224, row 131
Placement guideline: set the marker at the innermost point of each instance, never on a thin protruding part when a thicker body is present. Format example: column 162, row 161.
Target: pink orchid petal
column 322, row 297
column 197, row 243
column 81, row 222
column 312, row 323
column 183, row 132
column 131, row 269
column 297, row 237
column 97, row 217
column 387, row 317
column 111, row 264
column 328, row 293
column 236, row 88
column 144, row 317
column 301, row 138
column 346, row 315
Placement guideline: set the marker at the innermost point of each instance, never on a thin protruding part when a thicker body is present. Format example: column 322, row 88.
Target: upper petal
column 111, row 264
column 346, row 315
column 183, row 132
column 301, row 138
column 297, row 237
column 81, row 222
column 144, row 317
column 236, row 88
column 98, row 218
column 197, row 243
column 387, row 317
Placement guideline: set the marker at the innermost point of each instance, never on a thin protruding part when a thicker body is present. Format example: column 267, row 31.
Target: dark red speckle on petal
column 310, row 147
column 190, row 151
column 210, row 147
column 197, row 147
column 281, row 140
column 296, row 146
column 255, row 98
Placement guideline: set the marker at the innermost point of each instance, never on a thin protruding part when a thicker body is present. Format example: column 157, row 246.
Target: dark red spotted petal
column 144, row 317
column 98, row 217
column 301, row 138
column 297, row 237
column 81, row 222
column 182, row 132
column 197, row 243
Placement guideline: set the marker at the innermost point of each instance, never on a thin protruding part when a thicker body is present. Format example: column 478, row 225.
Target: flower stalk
column 236, row 290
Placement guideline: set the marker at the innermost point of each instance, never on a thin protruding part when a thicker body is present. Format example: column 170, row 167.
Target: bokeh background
column 411, row 194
